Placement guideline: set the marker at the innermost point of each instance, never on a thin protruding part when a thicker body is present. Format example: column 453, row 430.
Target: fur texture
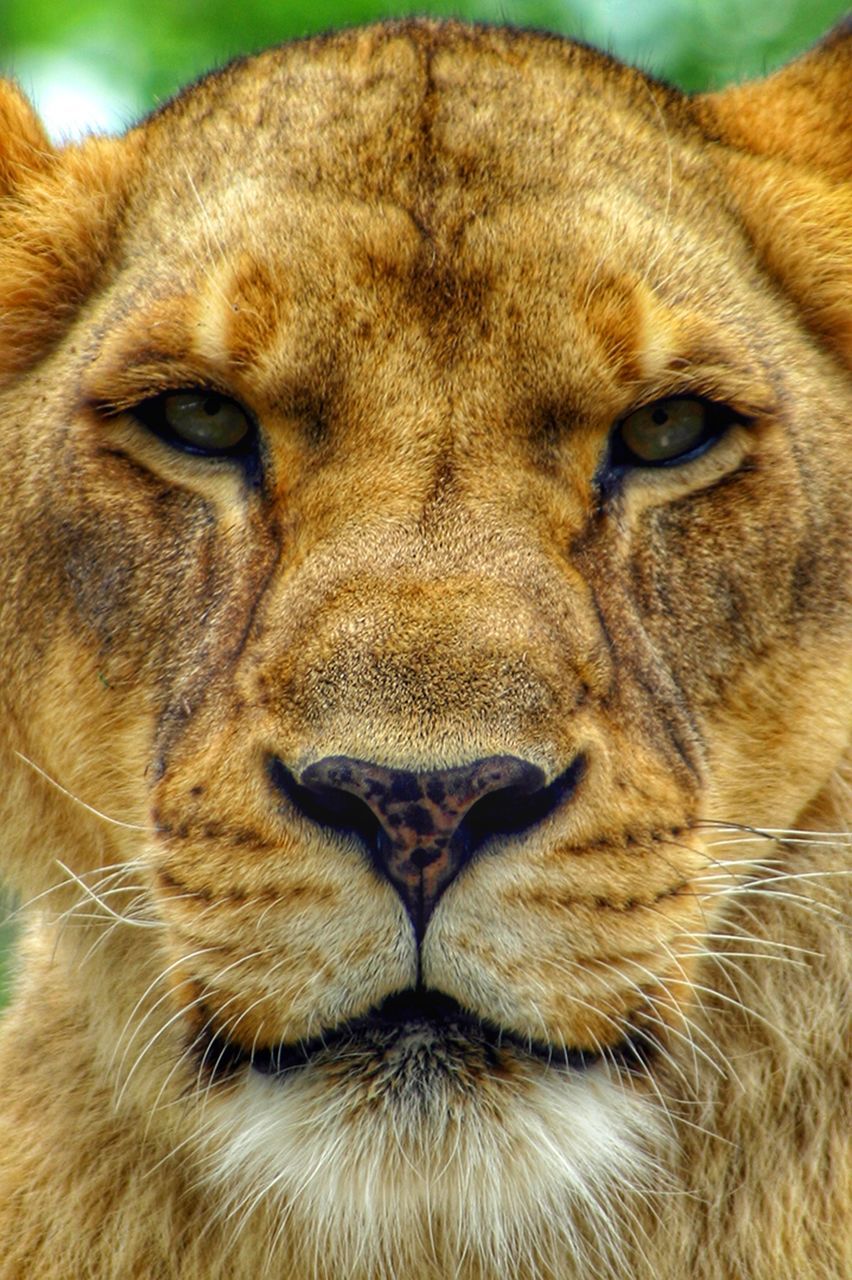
column 439, row 267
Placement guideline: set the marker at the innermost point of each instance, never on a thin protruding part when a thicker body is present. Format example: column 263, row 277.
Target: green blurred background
column 102, row 63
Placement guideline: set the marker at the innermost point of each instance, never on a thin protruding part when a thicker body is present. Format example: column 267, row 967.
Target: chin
column 420, row 1141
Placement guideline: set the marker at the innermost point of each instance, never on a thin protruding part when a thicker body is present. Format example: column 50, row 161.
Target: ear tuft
column 25, row 151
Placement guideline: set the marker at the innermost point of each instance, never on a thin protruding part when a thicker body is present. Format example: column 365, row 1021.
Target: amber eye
column 202, row 422
column 669, row 431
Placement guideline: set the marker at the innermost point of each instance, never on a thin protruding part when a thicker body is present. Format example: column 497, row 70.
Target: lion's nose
column 422, row 828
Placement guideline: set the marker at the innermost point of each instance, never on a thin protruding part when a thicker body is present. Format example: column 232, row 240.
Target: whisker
column 745, row 938
column 90, row 893
column 161, row 976
column 98, row 813
column 116, row 869
column 770, row 833
column 180, row 1012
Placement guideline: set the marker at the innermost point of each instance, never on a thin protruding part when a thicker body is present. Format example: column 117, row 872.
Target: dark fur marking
column 681, row 751
column 177, row 714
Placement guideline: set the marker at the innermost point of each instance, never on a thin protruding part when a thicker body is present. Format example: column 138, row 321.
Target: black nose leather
column 421, row 828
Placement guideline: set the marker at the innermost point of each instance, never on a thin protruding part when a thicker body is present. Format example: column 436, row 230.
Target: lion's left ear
column 25, row 151
column 58, row 211
column 785, row 144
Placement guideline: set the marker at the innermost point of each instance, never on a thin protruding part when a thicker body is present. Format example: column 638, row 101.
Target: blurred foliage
column 145, row 49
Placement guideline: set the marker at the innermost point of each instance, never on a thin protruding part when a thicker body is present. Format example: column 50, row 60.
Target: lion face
column 453, row 535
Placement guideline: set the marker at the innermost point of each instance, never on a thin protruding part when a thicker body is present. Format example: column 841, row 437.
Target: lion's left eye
column 669, row 431
column 202, row 422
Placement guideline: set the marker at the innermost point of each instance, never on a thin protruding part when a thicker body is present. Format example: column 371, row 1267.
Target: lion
column 425, row 607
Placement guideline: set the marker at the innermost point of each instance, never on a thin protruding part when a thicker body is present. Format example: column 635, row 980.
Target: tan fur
column 437, row 264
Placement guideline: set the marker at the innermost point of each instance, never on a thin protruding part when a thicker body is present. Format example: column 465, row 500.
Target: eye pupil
column 659, row 416
column 212, row 405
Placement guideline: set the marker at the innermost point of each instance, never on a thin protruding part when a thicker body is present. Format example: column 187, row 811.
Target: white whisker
column 98, row 813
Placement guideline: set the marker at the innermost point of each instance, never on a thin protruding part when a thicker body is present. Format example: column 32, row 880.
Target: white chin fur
column 526, row 1175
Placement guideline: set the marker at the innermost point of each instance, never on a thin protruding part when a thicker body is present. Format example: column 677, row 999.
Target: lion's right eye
column 200, row 422
column 668, row 432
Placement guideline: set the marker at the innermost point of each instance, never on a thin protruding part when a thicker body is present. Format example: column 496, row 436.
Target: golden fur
column 437, row 264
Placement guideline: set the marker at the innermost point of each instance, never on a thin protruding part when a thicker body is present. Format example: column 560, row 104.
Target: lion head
column 426, row 620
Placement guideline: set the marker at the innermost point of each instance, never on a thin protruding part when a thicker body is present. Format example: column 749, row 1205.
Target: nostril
column 517, row 808
column 325, row 804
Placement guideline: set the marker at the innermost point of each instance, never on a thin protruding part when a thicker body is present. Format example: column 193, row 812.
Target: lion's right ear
column 25, row 151
column 58, row 211
column 801, row 114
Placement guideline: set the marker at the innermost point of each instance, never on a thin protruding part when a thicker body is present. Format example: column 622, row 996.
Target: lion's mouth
column 416, row 1023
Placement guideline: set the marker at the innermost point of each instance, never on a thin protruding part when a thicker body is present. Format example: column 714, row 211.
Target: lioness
column 425, row 613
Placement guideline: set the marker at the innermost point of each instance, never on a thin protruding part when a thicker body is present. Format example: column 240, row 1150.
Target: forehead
column 440, row 188
column 446, row 125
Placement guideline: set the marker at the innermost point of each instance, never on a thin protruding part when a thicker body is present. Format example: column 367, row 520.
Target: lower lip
column 424, row 1021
